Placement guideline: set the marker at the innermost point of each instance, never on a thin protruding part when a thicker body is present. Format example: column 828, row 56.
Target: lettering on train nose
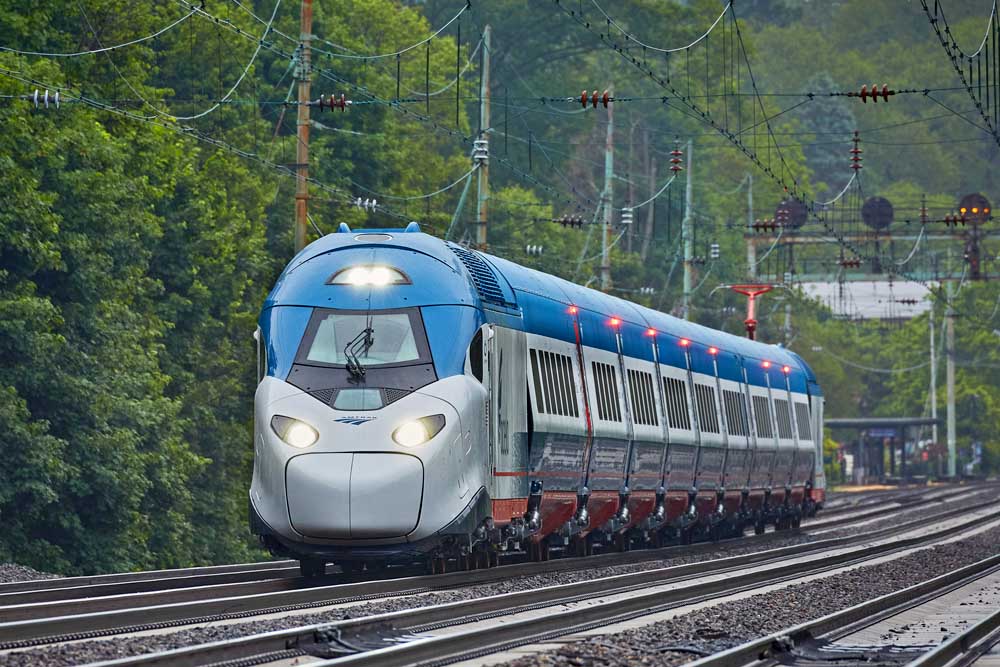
column 354, row 421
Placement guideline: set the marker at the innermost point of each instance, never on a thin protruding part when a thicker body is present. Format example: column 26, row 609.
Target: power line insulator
column 480, row 151
column 44, row 99
column 675, row 158
column 856, row 152
column 713, row 251
column 647, row 290
column 569, row 221
column 332, row 103
column 534, row 250
column 874, row 93
column 851, row 263
column 596, row 97
column 366, row 204
column 626, row 216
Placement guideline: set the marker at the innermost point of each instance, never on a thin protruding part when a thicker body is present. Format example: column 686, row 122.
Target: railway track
column 33, row 617
column 870, row 632
column 533, row 615
column 855, row 515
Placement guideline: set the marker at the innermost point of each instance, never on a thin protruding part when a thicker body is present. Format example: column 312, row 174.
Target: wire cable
column 102, row 49
column 630, row 37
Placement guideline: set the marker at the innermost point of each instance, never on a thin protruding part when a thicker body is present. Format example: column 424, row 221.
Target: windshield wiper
column 359, row 344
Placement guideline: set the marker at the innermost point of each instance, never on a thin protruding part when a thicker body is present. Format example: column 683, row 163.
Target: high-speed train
column 422, row 401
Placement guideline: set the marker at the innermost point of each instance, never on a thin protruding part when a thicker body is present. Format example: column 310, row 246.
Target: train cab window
column 476, row 355
column 675, row 392
column 784, row 418
column 552, row 375
column 606, row 388
column 708, row 414
column 762, row 417
column 395, row 337
column 640, row 386
column 261, row 355
column 802, row 421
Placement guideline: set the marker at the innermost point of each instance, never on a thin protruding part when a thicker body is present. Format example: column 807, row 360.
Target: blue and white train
column 419, row 400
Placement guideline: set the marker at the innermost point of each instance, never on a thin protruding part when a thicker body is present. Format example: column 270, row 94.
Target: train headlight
column 369, row 275
column 418, row 431
column 294, row 432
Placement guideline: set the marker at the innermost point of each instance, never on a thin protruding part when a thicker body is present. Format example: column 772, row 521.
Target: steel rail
column 863, row 515
column 686, row 582
column 767, row 649
column 965, row 648
column 33, row 624
column 904, row 497
column 51, row 590
column 147, row 575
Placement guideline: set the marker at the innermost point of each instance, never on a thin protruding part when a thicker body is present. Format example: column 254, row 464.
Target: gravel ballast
column 723, row 626
column 12, row 572
column 104, row 649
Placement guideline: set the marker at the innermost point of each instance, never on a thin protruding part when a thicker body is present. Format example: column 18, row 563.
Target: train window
column 736, row 413
column 802, row 419
column 640, row 387
column 762, row 417
column 539, row 401
column 708, row 415
column 335, row 337
column 677, row 404
column 784, row 418
column 476, row 355
column 552, row 377
column 606, row 388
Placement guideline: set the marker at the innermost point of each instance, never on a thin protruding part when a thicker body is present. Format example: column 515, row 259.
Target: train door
column 504, row 361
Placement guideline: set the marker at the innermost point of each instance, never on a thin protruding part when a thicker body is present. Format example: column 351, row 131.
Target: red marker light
column 713, row 351
column 614, row 321
column 766, row 364
column 684, row 342
column 786, row 369
column 573, row 310
column 650, row 332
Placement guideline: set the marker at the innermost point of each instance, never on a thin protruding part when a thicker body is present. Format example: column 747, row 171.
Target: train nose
column 359, row 495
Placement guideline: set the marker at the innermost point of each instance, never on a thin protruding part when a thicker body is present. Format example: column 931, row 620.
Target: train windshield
column 375, row 338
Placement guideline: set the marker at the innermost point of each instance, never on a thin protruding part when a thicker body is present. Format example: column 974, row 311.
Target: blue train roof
column 445, row 273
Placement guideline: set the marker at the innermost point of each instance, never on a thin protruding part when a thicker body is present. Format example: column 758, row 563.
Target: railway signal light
column 595, row 98
column 975, row 208
column 534, row 250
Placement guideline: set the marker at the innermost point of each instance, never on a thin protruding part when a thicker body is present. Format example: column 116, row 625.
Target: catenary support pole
column 934, row 428
column 751, row 248
column 949, row 344
column 688, row 235
column 483, row 185
column 302, row 128
column 606, row 200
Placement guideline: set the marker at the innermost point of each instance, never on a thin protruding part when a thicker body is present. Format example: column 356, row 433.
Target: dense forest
column 144, row 219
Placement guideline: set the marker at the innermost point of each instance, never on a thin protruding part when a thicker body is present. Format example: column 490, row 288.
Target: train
column 421, row 401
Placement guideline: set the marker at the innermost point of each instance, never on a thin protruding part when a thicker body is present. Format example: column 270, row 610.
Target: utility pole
column 303, row 74
column 751, row 248
column 606, row 199
column 949, row 351
column 483, row 186
column 788, row 323
column 688, row 236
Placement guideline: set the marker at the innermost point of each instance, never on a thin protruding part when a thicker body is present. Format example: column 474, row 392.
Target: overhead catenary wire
column 102, row 49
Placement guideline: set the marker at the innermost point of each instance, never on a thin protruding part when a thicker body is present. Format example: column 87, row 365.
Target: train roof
column 512, row 295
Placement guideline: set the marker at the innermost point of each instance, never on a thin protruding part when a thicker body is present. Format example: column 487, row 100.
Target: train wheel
column 312, row 567
column 687, row 535
column 759, row 528
column 494, row 557
column 796, row 523
column 583, row 547
column 623, row 542
column 439, row 565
